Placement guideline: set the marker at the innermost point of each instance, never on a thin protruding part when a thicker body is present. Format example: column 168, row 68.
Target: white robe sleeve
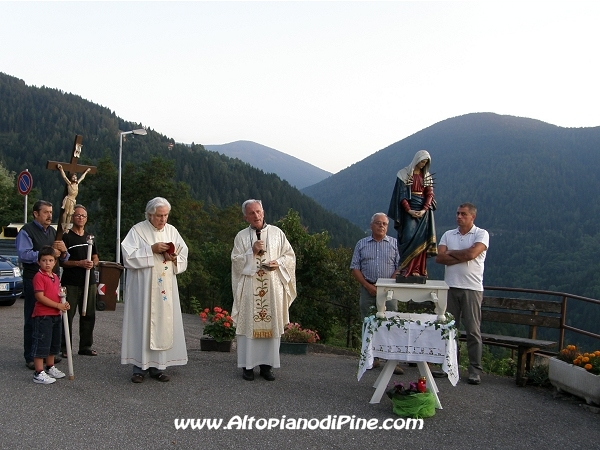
column 137, row 254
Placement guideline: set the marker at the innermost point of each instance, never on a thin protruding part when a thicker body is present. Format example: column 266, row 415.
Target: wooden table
column 410, row 338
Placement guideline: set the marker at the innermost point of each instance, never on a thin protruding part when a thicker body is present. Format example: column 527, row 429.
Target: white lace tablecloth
column 412, row 338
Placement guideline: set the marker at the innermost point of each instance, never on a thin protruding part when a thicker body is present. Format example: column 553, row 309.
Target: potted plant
column 219, row 330
column 576, row 373
column 414, row 401
column 295, row 339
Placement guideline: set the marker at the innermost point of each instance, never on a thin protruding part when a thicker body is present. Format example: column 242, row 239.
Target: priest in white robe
column 263, row 279
column 153, row 254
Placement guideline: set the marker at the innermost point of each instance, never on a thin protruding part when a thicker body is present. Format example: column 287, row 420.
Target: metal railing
column 563, row 297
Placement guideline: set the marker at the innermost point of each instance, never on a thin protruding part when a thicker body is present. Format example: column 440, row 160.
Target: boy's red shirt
column 49, row 285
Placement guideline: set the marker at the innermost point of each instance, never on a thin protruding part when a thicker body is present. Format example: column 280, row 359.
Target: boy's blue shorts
column 47, row 332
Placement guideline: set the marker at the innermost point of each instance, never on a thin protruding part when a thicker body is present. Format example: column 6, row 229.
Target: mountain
column 517, row 170
column 39, row 124
column 298, row 173
column 534, row 185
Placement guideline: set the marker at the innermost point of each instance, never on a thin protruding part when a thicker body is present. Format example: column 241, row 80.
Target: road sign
column 24, row 182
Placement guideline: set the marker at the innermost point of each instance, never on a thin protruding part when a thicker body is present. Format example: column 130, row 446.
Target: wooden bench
column 519, row 311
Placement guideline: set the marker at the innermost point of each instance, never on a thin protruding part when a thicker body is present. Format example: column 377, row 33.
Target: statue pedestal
column 434, row 290
column 411, row 279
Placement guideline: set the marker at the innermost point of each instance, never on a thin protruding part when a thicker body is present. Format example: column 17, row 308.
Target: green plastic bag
column 417, row 405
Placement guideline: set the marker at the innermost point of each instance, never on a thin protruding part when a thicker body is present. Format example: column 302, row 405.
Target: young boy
column 46, row 318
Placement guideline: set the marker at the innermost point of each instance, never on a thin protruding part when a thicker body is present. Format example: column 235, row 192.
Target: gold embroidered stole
column 262, row 296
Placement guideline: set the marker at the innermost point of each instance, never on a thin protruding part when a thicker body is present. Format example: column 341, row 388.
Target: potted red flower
column 295, row 339
column 219, row 330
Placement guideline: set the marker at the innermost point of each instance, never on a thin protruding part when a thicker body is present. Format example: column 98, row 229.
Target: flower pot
column 417, row 405
column 208, row 344
column 293, row 348
column 574, row 380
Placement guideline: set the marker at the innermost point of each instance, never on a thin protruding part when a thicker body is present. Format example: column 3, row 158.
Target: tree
column 327, row 294
column 11, row 202
column 157, row 179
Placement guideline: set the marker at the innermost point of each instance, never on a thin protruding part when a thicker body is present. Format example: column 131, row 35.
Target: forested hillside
column 40, row 124
column 535, row 186
column 205, row 189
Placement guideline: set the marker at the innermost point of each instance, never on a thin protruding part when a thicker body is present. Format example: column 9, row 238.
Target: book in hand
column 172, row 250
column 268, row 266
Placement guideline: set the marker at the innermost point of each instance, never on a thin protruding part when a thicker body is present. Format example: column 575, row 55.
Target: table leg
column 431, row 385
column 441, row 304
column 382, row 380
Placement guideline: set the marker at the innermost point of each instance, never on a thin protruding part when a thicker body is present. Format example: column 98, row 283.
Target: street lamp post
column 139, row 132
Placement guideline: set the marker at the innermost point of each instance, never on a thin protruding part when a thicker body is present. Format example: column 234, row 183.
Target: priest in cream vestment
column 153, row 254
column 263, row 279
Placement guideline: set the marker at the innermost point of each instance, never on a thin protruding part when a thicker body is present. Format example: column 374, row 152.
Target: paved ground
column 101, row 408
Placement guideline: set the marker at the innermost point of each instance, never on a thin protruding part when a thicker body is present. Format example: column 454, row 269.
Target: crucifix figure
column 68, row 204
column 72, row 184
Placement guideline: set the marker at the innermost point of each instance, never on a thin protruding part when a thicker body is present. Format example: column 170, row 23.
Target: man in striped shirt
column 375, row 257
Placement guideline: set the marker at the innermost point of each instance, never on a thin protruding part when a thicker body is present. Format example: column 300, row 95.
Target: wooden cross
column 69, row 169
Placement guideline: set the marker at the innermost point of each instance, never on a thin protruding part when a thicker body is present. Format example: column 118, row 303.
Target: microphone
column 261, row 252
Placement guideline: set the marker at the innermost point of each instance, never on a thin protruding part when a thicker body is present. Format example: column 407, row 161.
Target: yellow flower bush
column 589, row 361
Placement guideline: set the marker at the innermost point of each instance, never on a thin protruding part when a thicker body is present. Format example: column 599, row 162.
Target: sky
column 328, row 82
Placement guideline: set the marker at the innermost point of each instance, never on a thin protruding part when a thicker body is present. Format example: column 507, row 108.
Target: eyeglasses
column 385, row 224
column 80, row 216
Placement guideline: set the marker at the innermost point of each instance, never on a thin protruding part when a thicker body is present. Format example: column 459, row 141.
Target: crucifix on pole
column 71, row 183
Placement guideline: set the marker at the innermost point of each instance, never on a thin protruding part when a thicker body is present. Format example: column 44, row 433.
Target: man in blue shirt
column 31, row 238
column 375, row 257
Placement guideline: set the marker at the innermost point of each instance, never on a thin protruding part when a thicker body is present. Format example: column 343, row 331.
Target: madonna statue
column 411, row 209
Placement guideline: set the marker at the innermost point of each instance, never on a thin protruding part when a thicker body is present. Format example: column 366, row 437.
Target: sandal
column 137, row 378
column 163, row 377
column 64, row 354
column 88, row 352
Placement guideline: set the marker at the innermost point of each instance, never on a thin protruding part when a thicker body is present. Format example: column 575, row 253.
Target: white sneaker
column 55, row 373
column 43, row 378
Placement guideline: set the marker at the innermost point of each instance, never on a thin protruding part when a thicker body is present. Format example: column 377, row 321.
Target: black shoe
column 160, row 376
column 137, row 378
column 248, row 374
column 57, row 359
column 30, row 365
column 439, row 374
column 474, row 379
column 267, row 373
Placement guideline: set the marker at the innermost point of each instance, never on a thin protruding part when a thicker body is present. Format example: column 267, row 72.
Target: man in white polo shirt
column 463, row 251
